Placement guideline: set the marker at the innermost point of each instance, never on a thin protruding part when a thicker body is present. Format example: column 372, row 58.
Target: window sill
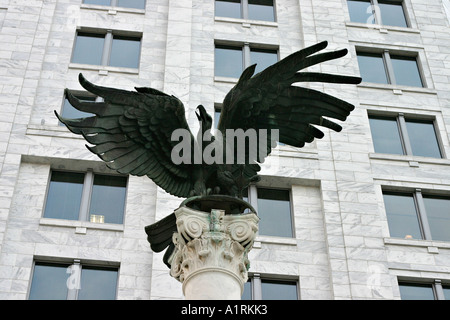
column 229, row 80
column 382, row 28
column 413, row 161
column 51, row 131
column 112, row 10
column 274, row 240
column 80, row 226
column 396, row 89
column 103, row 70
column 247, row 22
column 293, row 152
column 433, row 246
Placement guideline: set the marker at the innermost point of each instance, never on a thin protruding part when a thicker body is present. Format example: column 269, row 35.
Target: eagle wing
column 131, row 132
column 268, row 100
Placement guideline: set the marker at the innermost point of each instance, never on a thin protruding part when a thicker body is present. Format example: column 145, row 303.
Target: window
column 72, row 282
column 424, row 291
column 274, row 209
column 217, row 112
column 384, row 12
column 86, row 196
column 274, row 206
column 263, row 58
column 230, row 61
column 402, row 216
column 385, row 68
column 136, row 4
column 246, row 9
column 107, row 50
column 89, row 48
column 446, row 290
column 416, row 291
column 69, row 112
column 418, row 216
column 438, row 215
column 406, row 71
column 405, row 136
column 268, row 289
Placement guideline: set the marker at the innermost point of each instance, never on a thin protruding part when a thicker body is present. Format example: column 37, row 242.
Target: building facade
column 360, row 214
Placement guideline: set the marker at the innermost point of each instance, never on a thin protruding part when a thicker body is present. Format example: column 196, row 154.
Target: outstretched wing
column 268, row 100
column 131, row 132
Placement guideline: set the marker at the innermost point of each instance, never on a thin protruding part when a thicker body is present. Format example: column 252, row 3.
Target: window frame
column 86, row 195
column 420, row 207
column 256, row 280
column 107, row 46
column 401, row 120
column 436, row 285
column 74, row 271
column 253, row 200
column 246, row 49
column 378, row 19
column 389, row 68
column 244, row 14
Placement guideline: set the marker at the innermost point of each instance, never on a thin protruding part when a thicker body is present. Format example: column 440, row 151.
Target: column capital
column 211, row 252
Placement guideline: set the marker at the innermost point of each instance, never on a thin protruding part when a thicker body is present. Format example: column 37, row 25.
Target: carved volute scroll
column 212, row 242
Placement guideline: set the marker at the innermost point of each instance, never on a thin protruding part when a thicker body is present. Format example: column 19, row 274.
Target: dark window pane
column 98, row 2
column 371, row 67
column 406, row 71
column 385, row 135
column 422, row 136
column 125, row 52
column 216, row 117
column 360, row 11
column 228, row 61
column 274, row 209
column 98, row 284
column 108, row 199
column 416, row 291
column 136, row 4
column 273, row 290
column 446, row 290
column 247, row 295
column 229, row 9
column 261, row 10
column 70, row 112
column 392, row 14
column 88, row 49
column 438, row 214
column 49, row 282
column 402, row 216
column 263, row 58
column 64, row 195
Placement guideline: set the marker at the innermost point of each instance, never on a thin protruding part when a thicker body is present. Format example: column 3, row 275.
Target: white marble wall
column 341, row 249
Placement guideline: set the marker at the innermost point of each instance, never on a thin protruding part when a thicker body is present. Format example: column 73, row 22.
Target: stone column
column 211, row 253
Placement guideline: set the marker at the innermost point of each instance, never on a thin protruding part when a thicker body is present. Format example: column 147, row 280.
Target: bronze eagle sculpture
column 131, row 131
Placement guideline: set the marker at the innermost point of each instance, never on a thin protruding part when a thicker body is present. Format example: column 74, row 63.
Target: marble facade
column 341, row 247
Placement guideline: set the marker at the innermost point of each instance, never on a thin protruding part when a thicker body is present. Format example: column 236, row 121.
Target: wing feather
column 131, row 132
column 270, row 100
